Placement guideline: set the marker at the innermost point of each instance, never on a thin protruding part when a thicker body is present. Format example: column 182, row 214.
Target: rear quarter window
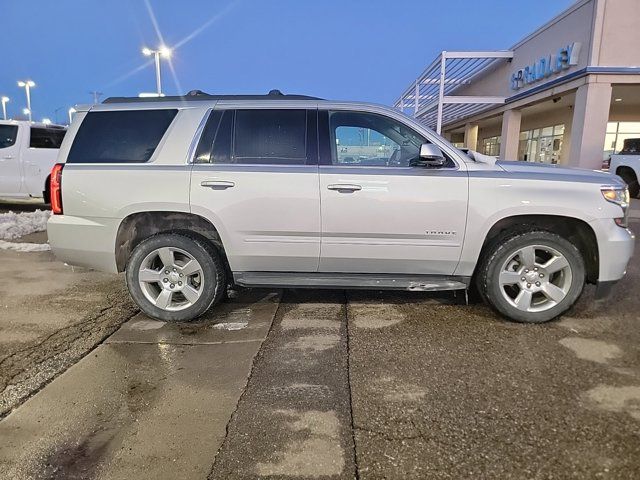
column 46, row 137
column 8, row 135
column 129, row 136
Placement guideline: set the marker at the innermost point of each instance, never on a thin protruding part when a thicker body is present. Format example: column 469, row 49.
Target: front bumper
column 615, row 249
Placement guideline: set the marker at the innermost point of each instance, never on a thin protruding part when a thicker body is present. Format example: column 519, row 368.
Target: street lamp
column 71, row 112
column 27, row 85
column 4, row 101
column 162, row 51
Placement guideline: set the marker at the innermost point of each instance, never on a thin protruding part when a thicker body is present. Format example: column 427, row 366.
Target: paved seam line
column 246, row 386
column 353, row 429
column 148, row 342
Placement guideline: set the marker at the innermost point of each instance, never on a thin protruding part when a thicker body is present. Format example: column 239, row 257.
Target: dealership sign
column 546, row 66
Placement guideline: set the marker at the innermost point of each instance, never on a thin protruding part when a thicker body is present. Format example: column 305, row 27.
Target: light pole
column 71, row 112
column 4, row 107
column 96, row 96
column 162, row 51
column 27, row 85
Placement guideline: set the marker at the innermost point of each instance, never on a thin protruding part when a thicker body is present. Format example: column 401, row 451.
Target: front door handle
column 8, row 157
column 344, row 187
column 217, row 184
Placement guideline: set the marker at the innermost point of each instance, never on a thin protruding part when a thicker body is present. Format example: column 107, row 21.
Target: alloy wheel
column 171, row 278
column 535, row 278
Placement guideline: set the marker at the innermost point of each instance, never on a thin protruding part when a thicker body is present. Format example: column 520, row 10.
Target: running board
column 370, row 281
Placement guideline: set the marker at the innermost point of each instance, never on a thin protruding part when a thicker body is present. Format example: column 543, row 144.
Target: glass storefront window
column 491, row 146
column 542, row 145
column 617, row 133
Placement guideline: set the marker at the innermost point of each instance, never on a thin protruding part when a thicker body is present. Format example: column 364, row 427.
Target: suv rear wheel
column 532, row 277
column 174, row 277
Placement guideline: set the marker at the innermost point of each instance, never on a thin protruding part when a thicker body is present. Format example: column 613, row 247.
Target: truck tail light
column 55, row 188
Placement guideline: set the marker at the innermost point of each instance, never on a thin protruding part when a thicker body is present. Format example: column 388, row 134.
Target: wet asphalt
column 332, row 384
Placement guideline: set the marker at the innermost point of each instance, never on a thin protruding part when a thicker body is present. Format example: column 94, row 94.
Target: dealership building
column 568, row 93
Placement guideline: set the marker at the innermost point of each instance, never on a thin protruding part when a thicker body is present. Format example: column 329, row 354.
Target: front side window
column 372, row 140
column 46, row 137
column 8, row 135
column 128, row 136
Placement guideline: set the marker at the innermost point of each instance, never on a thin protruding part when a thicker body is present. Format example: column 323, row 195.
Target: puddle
column 592, row 350
column 617, row 399
column 375, row 315
column 392, row 391
column 317, row 455
column 312, row 316
column 147, row 325
column 231, row 325
column 316, row 343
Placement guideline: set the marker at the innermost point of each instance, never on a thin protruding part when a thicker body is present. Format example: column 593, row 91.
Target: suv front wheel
column 532, row 277
column 174, row 277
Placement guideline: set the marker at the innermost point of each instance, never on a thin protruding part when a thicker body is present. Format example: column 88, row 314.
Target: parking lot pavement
column 151, row 402
column 51, row 315
column 447, row 391
column 294, row 419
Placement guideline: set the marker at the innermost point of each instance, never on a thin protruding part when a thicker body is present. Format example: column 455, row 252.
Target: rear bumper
column 84, row 242
column 615, row 249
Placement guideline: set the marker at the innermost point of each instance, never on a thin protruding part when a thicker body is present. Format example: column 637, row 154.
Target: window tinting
column 8, row 135
column 221, row 151
column 203, row 152
column 46, row 137
column 270, row 137
column 129, row 136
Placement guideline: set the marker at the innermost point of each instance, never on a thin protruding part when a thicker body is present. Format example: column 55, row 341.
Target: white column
column 589, row 125
column 471, row 136
column 510, row 138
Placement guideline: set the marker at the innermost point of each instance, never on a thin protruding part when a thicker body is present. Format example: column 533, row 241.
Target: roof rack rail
column 195, row 95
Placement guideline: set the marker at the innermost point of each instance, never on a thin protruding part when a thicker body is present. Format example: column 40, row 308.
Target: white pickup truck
column 28, row 150
column 626, row 164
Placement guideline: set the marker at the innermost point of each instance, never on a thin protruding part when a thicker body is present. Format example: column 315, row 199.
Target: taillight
column 55, row 188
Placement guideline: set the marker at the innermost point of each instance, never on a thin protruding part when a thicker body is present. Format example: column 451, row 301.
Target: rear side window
column 270, row 136
column 129, row 136
column 8, row 135
column 46, row 137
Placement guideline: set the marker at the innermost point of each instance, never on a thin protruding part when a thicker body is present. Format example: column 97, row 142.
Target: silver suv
column 189, row 195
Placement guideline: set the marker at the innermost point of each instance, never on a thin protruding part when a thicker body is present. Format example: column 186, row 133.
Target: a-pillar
column 589, row 125
column 510, row 135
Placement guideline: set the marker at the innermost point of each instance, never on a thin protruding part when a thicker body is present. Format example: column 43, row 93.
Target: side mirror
column 430, row 156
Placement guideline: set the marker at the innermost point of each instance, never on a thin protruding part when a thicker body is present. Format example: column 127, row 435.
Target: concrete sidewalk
column 151, row 402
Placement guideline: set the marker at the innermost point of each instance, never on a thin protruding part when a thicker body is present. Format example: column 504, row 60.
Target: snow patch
column 15, row 225
column 24, row 247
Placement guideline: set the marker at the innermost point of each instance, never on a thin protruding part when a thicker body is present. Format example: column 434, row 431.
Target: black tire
column 500, row 252
column 213, row 272
column 631, row 180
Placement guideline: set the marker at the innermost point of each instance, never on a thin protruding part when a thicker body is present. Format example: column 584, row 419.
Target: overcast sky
column 340, row 49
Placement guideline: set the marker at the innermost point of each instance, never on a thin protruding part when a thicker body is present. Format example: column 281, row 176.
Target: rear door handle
column 8, row 157
column 217, row 184
column 344, row 187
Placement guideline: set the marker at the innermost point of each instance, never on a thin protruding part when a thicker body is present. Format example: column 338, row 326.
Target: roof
column 198, row 95
column 32, row 124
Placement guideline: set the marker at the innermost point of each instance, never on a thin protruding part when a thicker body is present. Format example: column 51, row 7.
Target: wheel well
column 576, row 231
column 624, row 169
column 139, row 226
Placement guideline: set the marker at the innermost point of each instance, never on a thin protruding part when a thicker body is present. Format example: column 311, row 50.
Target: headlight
column 619, row 196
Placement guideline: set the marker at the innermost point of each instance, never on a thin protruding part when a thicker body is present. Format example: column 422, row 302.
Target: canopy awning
column 431, row 96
